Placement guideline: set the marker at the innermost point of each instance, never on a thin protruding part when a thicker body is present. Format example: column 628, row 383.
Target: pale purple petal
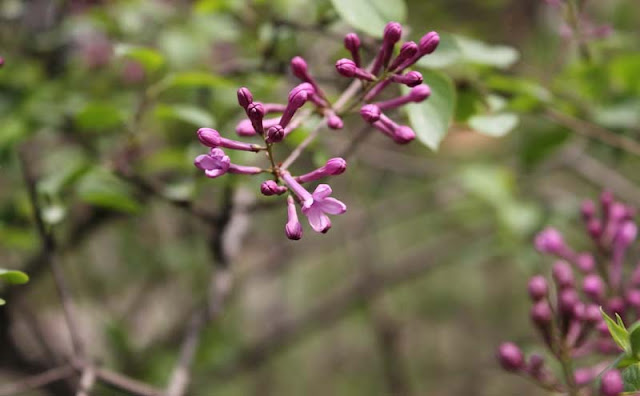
column 321, row 192
column 204, row 162
column 332, row 206
column 319, row 221
column 213, row 173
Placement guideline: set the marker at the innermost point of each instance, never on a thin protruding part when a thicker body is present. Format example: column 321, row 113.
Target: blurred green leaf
column 187, row 113
column 631, row 378
column 101, row 188
column 447, row 53
column 2, row 302
column 371, row 16
column 495, row 125
column 149, row 58
column 62, row 166
column 634, row 340
column 617, row 331
column 192, row 79
column 99, row 117
column 620, row 115
column 13, row 277
column 492, row 183
column 431, row 118
column 454, row 48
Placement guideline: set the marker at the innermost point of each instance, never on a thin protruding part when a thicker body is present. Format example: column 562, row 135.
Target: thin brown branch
column 87, row 380
column 38, row 381
column 179, row 380
column 126, row 384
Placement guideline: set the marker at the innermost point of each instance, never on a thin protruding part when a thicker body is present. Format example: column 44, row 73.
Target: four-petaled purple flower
column 322, row 204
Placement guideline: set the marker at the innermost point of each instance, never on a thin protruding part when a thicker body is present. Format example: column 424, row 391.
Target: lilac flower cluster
column 568, row 317
column 273, row 122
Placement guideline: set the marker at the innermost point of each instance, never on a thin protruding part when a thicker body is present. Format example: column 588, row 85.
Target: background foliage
column 411, row 290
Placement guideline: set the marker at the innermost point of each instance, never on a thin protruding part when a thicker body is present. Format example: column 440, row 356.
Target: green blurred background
column 412, row 289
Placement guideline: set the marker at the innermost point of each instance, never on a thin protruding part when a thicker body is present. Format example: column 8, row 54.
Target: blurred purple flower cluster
column 566, row 311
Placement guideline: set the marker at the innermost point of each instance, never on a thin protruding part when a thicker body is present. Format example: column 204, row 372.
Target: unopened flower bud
column 407, row 51
column 428, row 43
column 585, row 262
column 536, row 362
column 626, row 234
column 563, row 274
column 411, row 79
column 549, row 241
column 275, row 134
column 510, row 357
column 255, row 112
column 567, row 300
column 583, row 376
column 593, row 287
column 392, row 32
column 420, row 93
column 594, row 228
column 336, row 166
column 616, row 305
column 348, row 68
column 299, row 68
column 611, row 383
column 588, row 209
column 334, row 121
column 633, row 298
column 592, row 313
column 541, row 313
column 352, row 44
column 606, row 199
column 403, row 134
column 370, row 113
column 245, row 98
column 270, row 187
column 537, row 288
column 293, row 228
column 417, row 94
column 209, row 137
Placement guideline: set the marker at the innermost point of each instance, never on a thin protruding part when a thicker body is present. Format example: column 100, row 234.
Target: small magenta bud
column 403, row 134
column 335, row 122
column 299, row 95
column 411, row 79
column 633, row 298
column 392, row 32
column 420, row 93
column 588, row 209
column 336, row 166
column 563, row 274
column 594, row 228
column 611, row 383
column 370, row 113
column 270, row 187
column 536, row 362
column 606, row 199
column 293, row 228
column 275, row 134
column 626, row 234
column 583, row 376
column 567, row 301
column 549, row 240
column 617, row 211
column 245, row 98
column 541, row 313
column 428, row 43
column 538, row 288
column 209, row 137
column 593, row 287
column 603, row 329
column 255, row 112
column 348, row 68
column 1, row 61
column 407, row 51
column 585, row 262
column 579, row 311
column 352, row 42
column 592, row 313
column 616, row 305
column 510, row 357
column 299, row 68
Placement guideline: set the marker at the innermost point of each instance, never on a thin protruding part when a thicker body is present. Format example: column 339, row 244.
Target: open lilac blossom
column 320, row 207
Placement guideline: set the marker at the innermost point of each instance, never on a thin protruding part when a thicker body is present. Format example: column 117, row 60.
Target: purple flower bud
column 392, row 32
column 541, row 313
column 594, row 228
column 626, row 235
column 403, row 135
column 611, row 383
column 585, row 262
column 603, row 329
column 335, row 122
column 417, row 94
column 536, row 362
column 348, row 68
column 567, row 300
column 606, row 199
column 592, row 313
column 244, row 170
column 428, row 43
column 275, row 134
column 333, row 167
column 579, row 311
column 633, row 298
column 411, row 79
column 297, row 98
column 588, row 209
column 407, row 51
column 244, row 97
column 299, row 68
column 563, row 274
column 293, row 228
column 537, row 288
column 616, row 305
column 510, row 357
column 209, row 137
column 1, row 61
column 370, row 113
column 420, row 93
column 549, row 241
column 583, row 376
column 255, row 112
column 352, row 44
column 593, row 287
column 270, row 187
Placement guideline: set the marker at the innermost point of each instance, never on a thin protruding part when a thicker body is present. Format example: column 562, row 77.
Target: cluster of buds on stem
column 273, row 122
column 566, row 311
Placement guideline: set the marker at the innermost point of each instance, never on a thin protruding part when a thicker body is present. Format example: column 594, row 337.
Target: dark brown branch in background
column 38, row 381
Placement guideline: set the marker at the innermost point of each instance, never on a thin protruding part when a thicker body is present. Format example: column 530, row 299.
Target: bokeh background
column 411, row 290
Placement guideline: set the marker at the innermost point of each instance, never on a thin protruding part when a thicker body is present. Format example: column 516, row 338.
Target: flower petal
column 332, row 206
column 321, row 192
column 319, row 221
column 213, row 173
column 205, row 162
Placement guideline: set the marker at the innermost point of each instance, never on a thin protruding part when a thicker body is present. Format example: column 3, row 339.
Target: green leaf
column 634, row 340
column 495, row 125
column 196, row 79
column 447, row 53
column 2, row 302
column 631, row 378
column 618, row 332
column 455, row 48
column 431, row 119
column 187, row 113
column 13, row 277
column 150, row 59
column 371, row 16
column 101, row 188
column 99, row 117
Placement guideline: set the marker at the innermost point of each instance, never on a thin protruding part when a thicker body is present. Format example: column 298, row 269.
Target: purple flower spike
column 321, row 205
column 211, row 138
column 611, row 383
column 549, row 241
column 538, row 288
column 411, row 79
column 214, row 164
column 370, row 113
column 510, row 357
column 407, row 51
column 275, row 134
column 593, row 287
column 417, row 94
column 255, row 112
column 245, row 98
column 270, row 187
column 352, row 44
column 293, row 228
column 297, row 98
column 348, row 68
column 333, row 167
column 392, row 34
column 244, row 170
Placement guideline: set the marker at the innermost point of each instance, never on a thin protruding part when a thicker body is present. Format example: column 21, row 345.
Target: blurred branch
column 37, row 381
